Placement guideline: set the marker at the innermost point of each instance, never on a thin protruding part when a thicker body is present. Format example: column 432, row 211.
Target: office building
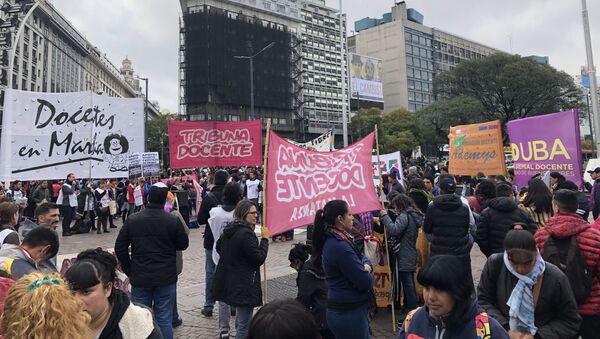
column 219, row 40
column 412, row 54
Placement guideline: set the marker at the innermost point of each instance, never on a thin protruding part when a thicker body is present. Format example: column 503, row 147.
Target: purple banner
column 544, row 143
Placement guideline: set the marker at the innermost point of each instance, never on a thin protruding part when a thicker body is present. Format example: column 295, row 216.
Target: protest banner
column 48, row 135
column 322, row 143
column 383, row 285
column 135, row 165
column 391, row 162
column 199, row 191
column 476, row 148
column 211, row 144
column 548, row 142
column 302, row 181
column 150, row 164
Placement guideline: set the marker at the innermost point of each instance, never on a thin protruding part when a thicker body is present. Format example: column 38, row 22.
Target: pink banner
column 300, row 182
column 199, row 190
column 211, row 144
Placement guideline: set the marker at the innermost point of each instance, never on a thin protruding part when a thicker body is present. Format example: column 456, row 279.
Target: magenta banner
column 547, row 142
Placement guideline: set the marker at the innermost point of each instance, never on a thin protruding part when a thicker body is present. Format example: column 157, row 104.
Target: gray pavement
column 190, row 292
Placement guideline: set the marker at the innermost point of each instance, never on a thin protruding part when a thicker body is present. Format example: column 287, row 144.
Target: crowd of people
column 540, row 279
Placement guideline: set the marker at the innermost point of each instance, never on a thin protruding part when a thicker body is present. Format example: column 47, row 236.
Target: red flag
column 300, row 181
column 211, row 144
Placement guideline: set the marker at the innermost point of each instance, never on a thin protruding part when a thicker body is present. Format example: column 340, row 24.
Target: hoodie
column 496, row 220
column 448, row 219
column 237, row 277
column 564, row 225
column 15, row 261
column 423, row 325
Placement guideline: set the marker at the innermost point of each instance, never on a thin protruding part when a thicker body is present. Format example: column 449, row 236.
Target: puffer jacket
column 496, row 220
column 312, row 291
column 129, row 321
column 423, row 325
column 564, row 225
column 406, row 229
column 447, row 219
column 237, row 277
column 555, row 313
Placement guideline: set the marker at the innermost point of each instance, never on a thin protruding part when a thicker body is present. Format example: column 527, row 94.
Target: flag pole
column 264, row 197
column 385, row 237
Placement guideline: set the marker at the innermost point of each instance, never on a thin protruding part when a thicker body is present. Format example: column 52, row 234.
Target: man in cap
column 155, row 236
column 447, row 223
column 595, row 192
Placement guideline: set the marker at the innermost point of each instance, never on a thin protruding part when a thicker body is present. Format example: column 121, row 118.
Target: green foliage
column 364, row 122
column 509, row 87
column 158, row 136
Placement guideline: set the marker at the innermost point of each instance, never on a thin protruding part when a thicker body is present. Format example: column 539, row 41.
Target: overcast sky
column 147, row 30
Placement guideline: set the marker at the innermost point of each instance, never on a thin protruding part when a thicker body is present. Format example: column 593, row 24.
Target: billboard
column 365, row 73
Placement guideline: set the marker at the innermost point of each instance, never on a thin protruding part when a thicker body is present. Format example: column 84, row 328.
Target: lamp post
column 344, row 108
column 591, row 72
column 251, row 59
column 145, row 116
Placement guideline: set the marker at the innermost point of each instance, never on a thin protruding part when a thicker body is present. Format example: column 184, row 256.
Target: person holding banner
column 237, row 278
column 347, row 274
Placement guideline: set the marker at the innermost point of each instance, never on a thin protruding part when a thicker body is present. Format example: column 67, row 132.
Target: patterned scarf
column 522, row 308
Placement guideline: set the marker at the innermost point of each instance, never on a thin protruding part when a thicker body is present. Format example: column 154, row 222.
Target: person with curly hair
column 39, row 306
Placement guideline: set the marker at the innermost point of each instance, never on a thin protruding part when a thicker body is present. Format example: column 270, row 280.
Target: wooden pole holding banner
column 264, row 209
column 385, row 237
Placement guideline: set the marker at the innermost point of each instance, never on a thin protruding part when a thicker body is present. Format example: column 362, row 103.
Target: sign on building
column 365, row 73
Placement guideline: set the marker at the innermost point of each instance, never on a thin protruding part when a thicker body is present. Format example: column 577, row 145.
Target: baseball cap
column 596, row 170
column 447, row 185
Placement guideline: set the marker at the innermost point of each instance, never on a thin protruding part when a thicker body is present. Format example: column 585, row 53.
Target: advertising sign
column 365, row 74
column 301, row 181
column 49, row 135
column 211, row 144
column 476, row 148
column 546, row 143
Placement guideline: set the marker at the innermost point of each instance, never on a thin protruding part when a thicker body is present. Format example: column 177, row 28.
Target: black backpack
column 566, row 255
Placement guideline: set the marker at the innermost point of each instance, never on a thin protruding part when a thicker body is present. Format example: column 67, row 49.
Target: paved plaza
column 190, row 291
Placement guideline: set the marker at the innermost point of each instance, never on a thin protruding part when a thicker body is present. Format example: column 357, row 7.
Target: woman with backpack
column 527, row 295
column 404, row 232
column 450, row 310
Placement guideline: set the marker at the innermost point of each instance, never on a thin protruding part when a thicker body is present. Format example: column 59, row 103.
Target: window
column 417, row 85
column 410, row 73
column 411, row 96
column 412, row 107
column 411, row 84
column 418, row 97
column 417, row 74
column 423, row 52
column 409, row 60
column 422, row 41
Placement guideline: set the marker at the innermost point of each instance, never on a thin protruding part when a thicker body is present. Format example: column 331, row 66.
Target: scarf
column 522, row 308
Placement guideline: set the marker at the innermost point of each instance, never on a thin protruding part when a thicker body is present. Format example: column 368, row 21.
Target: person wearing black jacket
column 237, row 278
column 447, row 224
column 155, row 236
column 113, row 316
column 498, row 218
column 212, row 199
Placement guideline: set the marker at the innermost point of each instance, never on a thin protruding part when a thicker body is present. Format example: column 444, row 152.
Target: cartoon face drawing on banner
column 115, row 148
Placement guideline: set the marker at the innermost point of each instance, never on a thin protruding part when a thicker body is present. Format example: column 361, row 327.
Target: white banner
column 49, row 135
column 322, row 143
column 391, row 162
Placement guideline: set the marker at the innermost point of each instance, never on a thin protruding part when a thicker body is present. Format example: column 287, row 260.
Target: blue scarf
column 522, row 308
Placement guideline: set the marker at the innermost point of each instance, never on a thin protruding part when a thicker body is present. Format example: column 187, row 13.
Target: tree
column 509, row 87
column 364, row 122
column 399, row 131
column 435, row 120
column 158, row 136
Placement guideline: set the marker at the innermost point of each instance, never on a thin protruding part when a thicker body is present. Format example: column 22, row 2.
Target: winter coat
column 15, row 261
column 583, row 209
column 8, row 235
column 405, row 229
column 129, row 321
column 154, row 236
column 555, row 315
column 447, row 219
column 348, row 283
column 213, row 199
column 5, row 285
column 496, row 220
column 237, row 277
column 424, row 325
column 179, row 262
column 421, row 199
column 564, row 225
column 312, row 291
column 40, row 195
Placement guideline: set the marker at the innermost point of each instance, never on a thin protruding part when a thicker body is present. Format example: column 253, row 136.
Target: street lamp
column 251, row 58
column 145, row 115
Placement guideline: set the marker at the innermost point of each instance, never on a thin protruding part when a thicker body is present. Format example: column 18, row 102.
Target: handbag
column 112, row 206
column 373, row 249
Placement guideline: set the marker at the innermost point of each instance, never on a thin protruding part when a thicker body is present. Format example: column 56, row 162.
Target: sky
column 146, row 31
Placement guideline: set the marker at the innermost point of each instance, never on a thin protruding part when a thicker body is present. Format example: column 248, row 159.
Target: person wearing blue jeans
column 410, row 291
column 349, row 323
column 242, row 320
column 209, row 269
column 161, row 301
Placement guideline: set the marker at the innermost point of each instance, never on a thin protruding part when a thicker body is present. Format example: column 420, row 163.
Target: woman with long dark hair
column 347, row 275
column 538, row 201
column 237, row 277
column 485, row 190
column 451, row 310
